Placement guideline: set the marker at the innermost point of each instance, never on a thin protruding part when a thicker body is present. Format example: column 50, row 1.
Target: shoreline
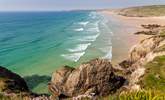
column 99, row 77
column 125, row 27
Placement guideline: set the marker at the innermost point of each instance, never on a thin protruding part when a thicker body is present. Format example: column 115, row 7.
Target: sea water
column 35, row 44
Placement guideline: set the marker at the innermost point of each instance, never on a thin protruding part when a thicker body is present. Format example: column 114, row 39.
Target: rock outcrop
column 96, row 77
column 14, row 87
column 142, row 53
column 146, row 46
column 11, row 82
column 152, row 29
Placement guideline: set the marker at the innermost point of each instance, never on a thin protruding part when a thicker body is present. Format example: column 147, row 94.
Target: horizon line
column 65, row 10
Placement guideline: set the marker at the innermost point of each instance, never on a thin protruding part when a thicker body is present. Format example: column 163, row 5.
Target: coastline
column 124, row 28
column 99, row 76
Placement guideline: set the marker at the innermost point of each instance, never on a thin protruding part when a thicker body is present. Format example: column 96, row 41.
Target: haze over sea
column 37, row 43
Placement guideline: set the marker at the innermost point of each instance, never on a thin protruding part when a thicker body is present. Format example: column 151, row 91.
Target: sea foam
column 89, row 38
column 108, row 54
column 74, row 56
column 95, row 29
column 83, row 23
column 79, row 29
column 79, row 47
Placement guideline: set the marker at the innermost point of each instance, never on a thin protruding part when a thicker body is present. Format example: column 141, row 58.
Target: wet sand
column 124, row 28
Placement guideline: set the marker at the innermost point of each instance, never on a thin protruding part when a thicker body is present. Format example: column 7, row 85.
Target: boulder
column 95, row 77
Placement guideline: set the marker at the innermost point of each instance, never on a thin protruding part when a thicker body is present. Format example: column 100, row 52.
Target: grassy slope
column 144, row 11
column 153, row 83
column 140, row 95
column 154, row 77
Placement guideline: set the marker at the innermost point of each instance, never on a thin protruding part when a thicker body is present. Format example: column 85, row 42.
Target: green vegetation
column 154, row 77
column 142, row 95
column 15, row 97
column 160, row 49
column 162, row 32
column 144, row 11
column 2, row 84
column 138, row 95
column 153, row 82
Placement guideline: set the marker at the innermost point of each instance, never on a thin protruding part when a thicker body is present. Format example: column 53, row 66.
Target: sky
column 53, row 5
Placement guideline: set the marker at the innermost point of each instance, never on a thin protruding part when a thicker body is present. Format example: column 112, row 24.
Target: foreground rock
column 11, row 82
column 96, row 77
column 14, row 87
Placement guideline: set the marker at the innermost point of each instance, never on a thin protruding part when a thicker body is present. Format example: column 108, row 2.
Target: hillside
column 145, row 67
column 143, row 11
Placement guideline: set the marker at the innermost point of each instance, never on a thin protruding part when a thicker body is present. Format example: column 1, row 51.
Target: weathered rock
column 152, row 29
column 151, row 26
column 11, row 82
column 146, row 46
column 140, row 54
column 96, row 76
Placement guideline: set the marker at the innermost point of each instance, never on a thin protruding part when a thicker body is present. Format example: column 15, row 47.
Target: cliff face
column 144, row 48
column 141, row 54
column 96, row 77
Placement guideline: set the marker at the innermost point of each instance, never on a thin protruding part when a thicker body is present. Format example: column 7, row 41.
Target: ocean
column 35, row 44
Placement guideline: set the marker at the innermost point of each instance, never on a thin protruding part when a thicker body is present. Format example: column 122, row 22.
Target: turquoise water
column 37, row 43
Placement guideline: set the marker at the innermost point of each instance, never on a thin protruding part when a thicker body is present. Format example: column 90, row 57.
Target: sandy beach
column 124, row 29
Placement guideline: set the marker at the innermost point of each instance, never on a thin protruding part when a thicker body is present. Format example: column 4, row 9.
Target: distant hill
column 143, row 11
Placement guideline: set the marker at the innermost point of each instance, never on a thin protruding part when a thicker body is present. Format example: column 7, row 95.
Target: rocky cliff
column 142, row 53
column 95, row 78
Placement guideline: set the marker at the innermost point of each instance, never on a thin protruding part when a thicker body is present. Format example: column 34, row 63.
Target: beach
column 124, row 29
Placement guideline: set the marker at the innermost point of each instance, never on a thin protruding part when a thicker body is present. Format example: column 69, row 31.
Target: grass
column 153, row 82
column 3, row 85
column 162, row 32
column 160, row 49
column 16, row 97
column 144, row 11
column 154, row 77
column 138, row 95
